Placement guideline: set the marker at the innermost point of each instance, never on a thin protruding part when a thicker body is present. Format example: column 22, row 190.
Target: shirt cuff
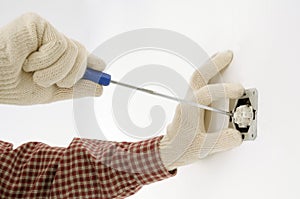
column 138, row 159
column 146, row 157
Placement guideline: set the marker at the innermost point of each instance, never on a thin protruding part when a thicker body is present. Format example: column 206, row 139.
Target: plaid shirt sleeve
column 86, row 169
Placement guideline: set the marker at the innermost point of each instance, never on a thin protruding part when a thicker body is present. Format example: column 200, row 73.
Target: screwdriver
column 104, row 79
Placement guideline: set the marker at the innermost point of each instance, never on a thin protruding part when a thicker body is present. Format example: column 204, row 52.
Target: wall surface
column 264, row 36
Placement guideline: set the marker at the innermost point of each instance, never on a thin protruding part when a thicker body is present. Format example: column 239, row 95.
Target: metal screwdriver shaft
column 104, row 79
column 173, row 98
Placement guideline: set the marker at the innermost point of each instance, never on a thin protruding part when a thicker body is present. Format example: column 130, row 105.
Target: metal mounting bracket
column 244, row 113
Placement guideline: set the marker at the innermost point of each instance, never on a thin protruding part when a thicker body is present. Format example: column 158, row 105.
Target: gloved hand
column 187, row 139
column 40, row 65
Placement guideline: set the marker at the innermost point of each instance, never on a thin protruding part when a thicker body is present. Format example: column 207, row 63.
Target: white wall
column 265, row 38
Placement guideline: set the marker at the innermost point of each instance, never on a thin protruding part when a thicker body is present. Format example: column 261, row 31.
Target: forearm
column 87, row 168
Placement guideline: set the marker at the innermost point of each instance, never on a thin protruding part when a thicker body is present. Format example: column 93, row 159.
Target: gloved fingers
column 210, row 69
column 77, row 70
column 43, row 30
column 213, row 92
column 95, row 63
column 47, row 55
column 220, row 141
column 50, row 44
column 83, row 88
column 57, row 71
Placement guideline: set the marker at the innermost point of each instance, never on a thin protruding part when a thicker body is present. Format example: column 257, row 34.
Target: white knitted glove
column 40, row 65
column 187, row 139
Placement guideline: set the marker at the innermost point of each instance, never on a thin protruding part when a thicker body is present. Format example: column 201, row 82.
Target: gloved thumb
column 83, row 88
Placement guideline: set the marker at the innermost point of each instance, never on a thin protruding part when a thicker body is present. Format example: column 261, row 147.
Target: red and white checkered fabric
column 86, row 169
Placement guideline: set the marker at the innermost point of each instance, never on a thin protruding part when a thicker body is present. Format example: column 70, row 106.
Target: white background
column 264, row 36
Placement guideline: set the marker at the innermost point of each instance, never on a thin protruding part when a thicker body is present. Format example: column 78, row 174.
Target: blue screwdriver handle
column 97, row 77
